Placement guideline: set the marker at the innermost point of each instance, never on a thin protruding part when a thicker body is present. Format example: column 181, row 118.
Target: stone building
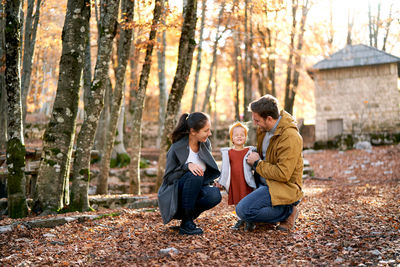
column 356, row 91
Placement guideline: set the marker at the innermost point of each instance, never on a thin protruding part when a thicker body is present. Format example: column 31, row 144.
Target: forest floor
column 351, row 219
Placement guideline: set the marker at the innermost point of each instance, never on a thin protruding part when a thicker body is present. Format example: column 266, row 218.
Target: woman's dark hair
column 195, row 121
column 266, row 106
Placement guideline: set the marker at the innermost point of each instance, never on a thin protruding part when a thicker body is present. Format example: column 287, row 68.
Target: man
column 279, row 161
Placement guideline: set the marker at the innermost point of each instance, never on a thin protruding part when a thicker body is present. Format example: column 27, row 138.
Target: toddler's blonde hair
column 237, row 124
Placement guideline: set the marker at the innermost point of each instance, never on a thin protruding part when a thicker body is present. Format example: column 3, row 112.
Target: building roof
column 356, row 55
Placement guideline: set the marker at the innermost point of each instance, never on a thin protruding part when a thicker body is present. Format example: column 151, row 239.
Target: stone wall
column 366, row 98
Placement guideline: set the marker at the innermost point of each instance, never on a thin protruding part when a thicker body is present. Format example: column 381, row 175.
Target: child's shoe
column 249, row 226
column 237, row 225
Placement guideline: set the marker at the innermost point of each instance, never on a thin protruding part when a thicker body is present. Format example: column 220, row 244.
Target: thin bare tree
column 350, row 23
column 374, row 24
column 388, row 23
column 199, row 53
column 295, row 54
column 236, row 54
column 135, row 142
column 163, row 97
column 218, row 35
column 187, row 45
column 30, row 32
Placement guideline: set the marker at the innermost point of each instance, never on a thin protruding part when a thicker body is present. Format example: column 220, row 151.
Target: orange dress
column 238, row 188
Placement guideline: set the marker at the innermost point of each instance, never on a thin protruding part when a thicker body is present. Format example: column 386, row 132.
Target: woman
column 190, row 170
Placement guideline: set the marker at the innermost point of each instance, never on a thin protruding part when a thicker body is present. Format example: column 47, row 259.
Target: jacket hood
column 287, row 121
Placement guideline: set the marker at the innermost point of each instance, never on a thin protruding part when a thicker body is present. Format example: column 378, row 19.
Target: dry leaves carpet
column 352, row 219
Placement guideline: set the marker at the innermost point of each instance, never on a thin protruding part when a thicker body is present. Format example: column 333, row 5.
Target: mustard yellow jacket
column 282, row 167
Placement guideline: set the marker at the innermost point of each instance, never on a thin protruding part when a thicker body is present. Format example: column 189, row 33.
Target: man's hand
column 253, row 156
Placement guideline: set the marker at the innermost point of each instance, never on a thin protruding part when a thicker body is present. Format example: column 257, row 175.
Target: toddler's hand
column 253, row 156
column 218, row 185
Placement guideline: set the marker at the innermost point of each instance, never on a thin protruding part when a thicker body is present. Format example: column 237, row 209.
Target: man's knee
column 240, row 210
column 245, row 211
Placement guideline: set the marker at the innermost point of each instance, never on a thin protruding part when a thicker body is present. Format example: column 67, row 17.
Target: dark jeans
column 257, row 207
column 194, row 197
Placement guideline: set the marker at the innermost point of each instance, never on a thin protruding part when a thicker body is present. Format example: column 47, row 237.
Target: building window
column 335, row 127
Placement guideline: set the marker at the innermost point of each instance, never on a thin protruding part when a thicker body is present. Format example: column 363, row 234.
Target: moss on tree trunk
column 17, row 207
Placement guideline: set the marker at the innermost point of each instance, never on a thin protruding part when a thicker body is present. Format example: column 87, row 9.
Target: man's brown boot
column 290, row 221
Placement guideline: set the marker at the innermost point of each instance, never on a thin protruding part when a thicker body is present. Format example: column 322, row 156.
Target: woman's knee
column 191, row 180
column 215, row 196
column 211, row 195
column 194, row 178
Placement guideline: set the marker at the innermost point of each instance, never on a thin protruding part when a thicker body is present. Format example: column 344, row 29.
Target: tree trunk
column 387, row 27
column 199, row 52
column 218, row 36
column 373, row 25
column 187, row 45
column 87, row 71
column 246, row 69
column 236, row 55
column 124, row 47
column 161, row 39
column 3, row 92
column 264, row 84
column 21, row 38
column 331, row 30
column 133, row 84
column 119, row 146
column 81, row 167
column 289, row 75
column 290, row 92
column 272, row 40
column 31, row 25
column 350, row 23
column 214, row 114
column 370, row 24
column 104, row 120
column 250, row 63
column 135, row 141
column 17, row 207
column 377, row 25
column 58, row 139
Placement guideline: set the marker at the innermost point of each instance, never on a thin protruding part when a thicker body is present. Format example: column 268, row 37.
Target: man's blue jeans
column 196, row 197
column 257, row 207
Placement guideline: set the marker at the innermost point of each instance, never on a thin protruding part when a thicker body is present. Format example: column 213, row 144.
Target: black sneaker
column 237, row 225
column 249, row 226
column 190, row 228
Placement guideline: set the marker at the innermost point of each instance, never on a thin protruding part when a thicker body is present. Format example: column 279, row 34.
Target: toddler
column 236, row 175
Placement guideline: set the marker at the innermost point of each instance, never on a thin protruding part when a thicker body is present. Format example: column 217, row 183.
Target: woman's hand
column 195, row 169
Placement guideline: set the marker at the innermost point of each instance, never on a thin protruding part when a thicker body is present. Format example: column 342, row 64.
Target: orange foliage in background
column 278, row 20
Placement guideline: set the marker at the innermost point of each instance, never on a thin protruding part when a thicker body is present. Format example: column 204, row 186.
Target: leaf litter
column 343, row 221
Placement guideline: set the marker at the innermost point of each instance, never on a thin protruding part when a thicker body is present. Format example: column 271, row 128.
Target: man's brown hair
column 265, row 106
